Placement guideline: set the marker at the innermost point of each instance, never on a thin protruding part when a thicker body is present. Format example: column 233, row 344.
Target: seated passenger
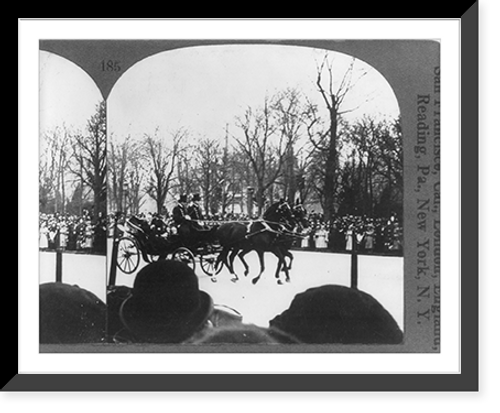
column 158, row 226
column 194, row 209
column 179, row 213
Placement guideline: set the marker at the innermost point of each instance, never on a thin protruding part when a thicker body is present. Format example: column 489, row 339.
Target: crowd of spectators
column 345, row 233
column 72, row 232
column 366, row 234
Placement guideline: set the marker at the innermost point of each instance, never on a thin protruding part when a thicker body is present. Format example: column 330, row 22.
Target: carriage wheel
column 184, row 255
column 128, row 257
column 208, row 259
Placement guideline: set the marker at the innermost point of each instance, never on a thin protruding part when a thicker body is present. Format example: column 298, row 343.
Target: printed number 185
column 110, row 66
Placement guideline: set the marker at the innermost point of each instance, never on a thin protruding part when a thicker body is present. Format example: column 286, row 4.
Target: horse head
column 280, row 212
column 300, row 217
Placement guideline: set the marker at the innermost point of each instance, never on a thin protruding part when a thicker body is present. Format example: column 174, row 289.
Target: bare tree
column 162, row 156
column 264, row 146
column 290, row 116
column 124, row 173
column 136, row 176
column 117, row 166
column 305, row 172
column 185, row 181
column 238, row 177
column 210, row 172
column 227, row 175
column 324, row 135
column 53, row 166
column 89, row 158
column 372, row 173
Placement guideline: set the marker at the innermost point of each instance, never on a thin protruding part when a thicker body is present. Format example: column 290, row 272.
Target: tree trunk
column 330, row 169
column 291, row 180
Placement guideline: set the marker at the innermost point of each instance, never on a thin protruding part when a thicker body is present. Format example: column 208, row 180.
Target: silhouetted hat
column 196, row 197
column 183, row 198
column 166, row 305
column 338, row 314
column 70, row 315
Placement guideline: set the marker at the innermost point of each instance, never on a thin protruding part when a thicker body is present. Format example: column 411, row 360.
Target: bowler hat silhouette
column 166, row 305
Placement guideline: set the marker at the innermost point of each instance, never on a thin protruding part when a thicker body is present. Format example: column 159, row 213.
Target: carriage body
column 137, row 239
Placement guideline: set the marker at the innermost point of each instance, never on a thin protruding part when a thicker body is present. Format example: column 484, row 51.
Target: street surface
column 381, row 277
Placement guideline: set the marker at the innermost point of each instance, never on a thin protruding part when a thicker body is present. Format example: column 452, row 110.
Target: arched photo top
column 67, row 94
column 72, row 144
column 204, row 88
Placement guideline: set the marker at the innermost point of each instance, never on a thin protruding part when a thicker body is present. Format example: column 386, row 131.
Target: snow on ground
column 382, row 277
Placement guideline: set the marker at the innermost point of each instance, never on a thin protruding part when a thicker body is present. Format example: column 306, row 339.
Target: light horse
column 265, row 235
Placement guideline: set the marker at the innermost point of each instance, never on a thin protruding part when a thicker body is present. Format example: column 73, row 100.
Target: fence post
column 114, row 254
column 354, row 261
column 58, row 257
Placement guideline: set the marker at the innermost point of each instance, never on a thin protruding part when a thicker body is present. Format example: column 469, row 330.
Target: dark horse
column 293, row 232
column 270, row 234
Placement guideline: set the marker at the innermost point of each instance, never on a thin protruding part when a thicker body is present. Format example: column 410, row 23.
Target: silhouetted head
column 70, row 315
column 243, row 334
column 338, row 314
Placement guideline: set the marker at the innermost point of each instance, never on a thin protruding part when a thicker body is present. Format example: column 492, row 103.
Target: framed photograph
column 248, row 205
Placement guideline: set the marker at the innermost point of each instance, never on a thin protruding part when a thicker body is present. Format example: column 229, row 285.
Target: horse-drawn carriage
column 216, row 246
column 137, row 239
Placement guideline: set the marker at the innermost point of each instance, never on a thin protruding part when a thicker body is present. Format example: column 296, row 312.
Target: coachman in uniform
column 180, row 211
column 194, row 209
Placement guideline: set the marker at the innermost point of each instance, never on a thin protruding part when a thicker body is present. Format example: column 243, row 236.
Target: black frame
column 466, row 381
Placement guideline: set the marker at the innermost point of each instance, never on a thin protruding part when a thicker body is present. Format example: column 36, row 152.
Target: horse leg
column 284, row 266
column 227, row 261
column 222, row 259
column 241, row 256
column 281, row 264
column 288, row 254
column 230, row 260
column 262, row 266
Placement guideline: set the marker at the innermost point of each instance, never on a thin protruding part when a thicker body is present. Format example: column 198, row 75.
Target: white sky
column 203, row 88
column 199, row 88
column 68, row 96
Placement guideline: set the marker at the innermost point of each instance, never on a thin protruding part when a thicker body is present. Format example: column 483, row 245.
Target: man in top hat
column 179, row 213
column 186, row 227
column 194, row 211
